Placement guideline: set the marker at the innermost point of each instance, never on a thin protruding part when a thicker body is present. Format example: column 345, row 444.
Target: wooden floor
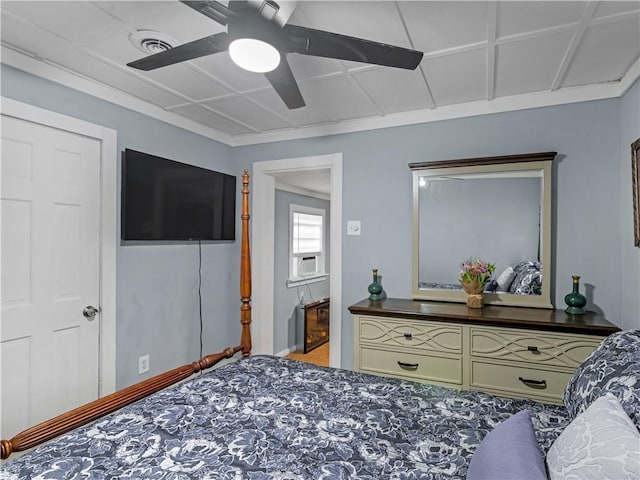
column 317, row 356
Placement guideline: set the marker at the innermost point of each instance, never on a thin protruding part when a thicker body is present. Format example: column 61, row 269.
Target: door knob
column 90, row 312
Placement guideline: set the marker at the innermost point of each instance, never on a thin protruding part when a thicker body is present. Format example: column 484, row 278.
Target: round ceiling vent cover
column 151, row 42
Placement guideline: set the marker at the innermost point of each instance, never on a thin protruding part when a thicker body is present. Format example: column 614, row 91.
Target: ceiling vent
column 151, row 42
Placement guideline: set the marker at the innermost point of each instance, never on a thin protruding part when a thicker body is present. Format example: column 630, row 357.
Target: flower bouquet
column 474, row 275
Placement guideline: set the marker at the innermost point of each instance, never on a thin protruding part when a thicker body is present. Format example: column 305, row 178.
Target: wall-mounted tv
column 167, row 200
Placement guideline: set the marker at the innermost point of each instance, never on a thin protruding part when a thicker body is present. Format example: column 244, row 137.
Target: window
column 306, row 242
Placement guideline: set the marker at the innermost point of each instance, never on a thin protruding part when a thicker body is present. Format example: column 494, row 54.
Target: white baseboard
column 286, row 351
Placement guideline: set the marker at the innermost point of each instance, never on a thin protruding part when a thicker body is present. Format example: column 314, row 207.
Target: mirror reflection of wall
column 494, row 217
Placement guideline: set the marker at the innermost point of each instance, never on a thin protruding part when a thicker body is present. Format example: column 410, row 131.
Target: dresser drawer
column 417, row 336
column 412, row 365
column 551, row 349
column 518, row 380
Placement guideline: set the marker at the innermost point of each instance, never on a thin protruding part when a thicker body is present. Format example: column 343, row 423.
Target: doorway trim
column 108, row 202
column 263, row 208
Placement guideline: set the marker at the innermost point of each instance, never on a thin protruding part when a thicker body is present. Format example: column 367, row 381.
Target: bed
column 264, row 417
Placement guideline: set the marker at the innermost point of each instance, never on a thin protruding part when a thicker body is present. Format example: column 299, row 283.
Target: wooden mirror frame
column 635, row 179
column 509, row 163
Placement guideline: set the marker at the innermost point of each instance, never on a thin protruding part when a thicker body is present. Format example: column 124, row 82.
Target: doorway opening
column 265, row 176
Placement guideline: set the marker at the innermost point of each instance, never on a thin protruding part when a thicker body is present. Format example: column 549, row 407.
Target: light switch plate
column 353, row 227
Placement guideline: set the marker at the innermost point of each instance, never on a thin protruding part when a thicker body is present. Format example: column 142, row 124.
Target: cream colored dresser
column 508, row 351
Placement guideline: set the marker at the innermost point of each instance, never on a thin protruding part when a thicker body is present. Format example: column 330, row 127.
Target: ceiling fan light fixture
column 254, row 55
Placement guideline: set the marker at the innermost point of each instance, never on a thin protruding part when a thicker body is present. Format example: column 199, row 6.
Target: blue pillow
column 509, row 452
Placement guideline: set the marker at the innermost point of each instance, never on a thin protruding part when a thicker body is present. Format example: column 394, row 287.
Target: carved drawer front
column 418, row 336
column 421, row 367
column 560, row 350
column 518, row 380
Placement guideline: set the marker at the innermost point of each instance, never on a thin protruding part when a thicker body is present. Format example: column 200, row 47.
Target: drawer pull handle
column 541, row 384
column 408, row 336
column 533, row 348
column 408, row 366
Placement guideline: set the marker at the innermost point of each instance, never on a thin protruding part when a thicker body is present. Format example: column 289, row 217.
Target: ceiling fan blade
column 319, row 43
column 238, row 5
column 212, row 9
column 284, row 83
column 198, row 48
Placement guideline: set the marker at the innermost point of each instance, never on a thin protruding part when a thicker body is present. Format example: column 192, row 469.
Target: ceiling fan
column 254, row 30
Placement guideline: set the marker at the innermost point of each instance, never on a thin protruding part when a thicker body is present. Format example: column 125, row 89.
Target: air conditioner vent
column 150, row 42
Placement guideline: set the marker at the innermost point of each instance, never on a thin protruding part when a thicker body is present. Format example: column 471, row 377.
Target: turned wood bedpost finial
column 245, row 271
column 5, row 449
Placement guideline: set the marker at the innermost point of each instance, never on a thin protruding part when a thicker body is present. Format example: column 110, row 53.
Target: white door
column 50, row 272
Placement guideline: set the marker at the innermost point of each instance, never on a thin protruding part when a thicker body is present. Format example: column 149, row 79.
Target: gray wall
column 592, row 225
column 286, row 299
column 157, row 283
column 629, row 255
column 587, row 225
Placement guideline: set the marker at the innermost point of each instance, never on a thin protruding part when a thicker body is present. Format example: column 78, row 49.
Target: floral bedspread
column 270, row 418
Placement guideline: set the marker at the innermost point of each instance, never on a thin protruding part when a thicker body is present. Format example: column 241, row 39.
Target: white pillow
column 600, row 443
column 505, row 279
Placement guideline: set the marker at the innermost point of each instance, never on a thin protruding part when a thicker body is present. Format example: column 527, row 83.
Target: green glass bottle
column 575, row 300
column 375, row 289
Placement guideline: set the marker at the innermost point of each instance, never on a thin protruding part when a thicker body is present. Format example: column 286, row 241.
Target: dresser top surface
column 522, row 317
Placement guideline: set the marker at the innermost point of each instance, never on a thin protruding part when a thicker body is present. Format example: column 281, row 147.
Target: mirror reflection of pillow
column 528, row 279
column 505, row 279
column 491, row 285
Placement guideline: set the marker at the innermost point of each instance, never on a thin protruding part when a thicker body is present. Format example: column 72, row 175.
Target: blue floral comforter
column 270, row 418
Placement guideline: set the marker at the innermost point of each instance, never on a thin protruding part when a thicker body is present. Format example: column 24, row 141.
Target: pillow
column 613, row 367
column 509, row 451
column 505, row 279
column 528, row 279
column 602, row 442
column 491, row 285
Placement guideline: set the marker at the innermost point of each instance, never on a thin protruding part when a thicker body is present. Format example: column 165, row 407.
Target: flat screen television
column 167, row 200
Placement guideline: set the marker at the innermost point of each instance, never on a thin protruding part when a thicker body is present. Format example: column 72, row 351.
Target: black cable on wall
column 200, row 291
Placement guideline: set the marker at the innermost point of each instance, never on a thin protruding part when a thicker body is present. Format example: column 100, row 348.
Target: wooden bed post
column 49, row 429
column 245, row 271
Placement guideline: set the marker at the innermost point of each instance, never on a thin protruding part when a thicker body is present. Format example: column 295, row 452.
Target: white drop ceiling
column 479, row 57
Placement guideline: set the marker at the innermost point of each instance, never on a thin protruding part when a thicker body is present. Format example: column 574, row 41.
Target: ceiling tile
column 529, row 65
column 450, row 24
column 185, row 80
column 394, row 90
column 304, row 66
column 249, row 113
column 605, row 53
column 31, row 39
column 212, row 119
column 339, row 97
column 70, row 20
column 117, row 78
column 306, row 115
column 378, row 20
column 520, row 17
column 235, row 78
column 457, row 78
column 604, row 9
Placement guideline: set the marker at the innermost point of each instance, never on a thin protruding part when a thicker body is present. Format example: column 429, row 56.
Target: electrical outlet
column 143, row 364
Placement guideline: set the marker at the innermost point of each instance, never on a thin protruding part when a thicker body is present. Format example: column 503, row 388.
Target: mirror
column 497, row 209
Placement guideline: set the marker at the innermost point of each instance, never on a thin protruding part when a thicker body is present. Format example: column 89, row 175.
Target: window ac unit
column 307, row 265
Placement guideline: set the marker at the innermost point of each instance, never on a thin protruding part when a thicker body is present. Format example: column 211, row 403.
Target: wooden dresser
column 508, row 351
